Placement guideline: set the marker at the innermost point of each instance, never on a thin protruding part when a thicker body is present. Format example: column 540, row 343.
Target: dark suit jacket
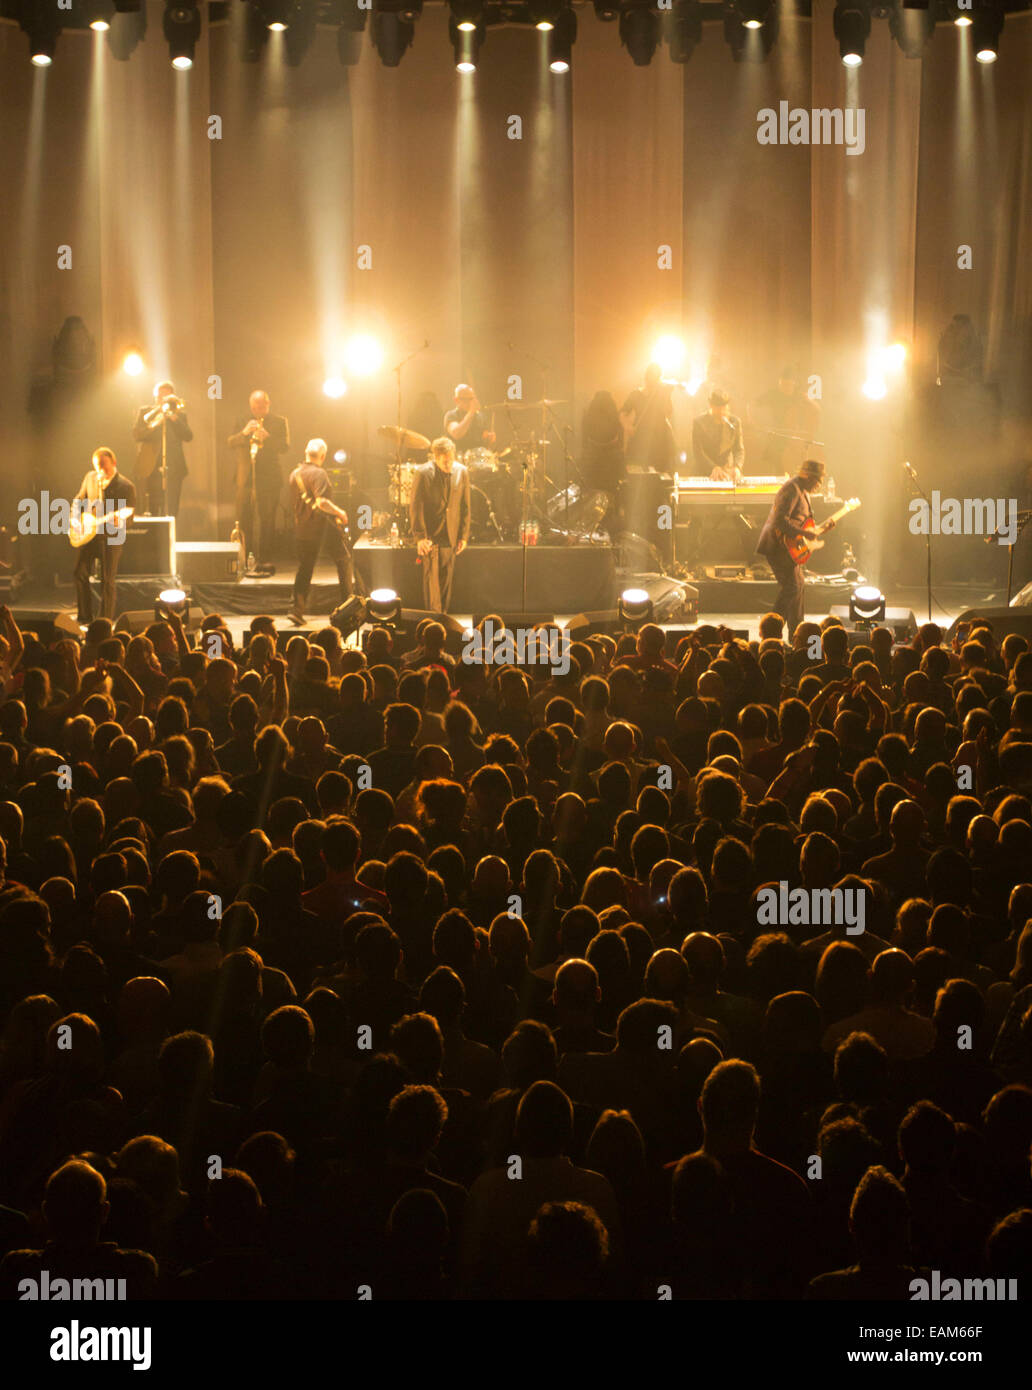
column 717, row 443
column 266, row 461
column 786, row 518
column 148, row 445
column 424, row 524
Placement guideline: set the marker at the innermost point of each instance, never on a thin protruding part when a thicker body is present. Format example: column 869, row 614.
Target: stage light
column 668, row 351
column 42, row 27
column 349, row 616
column 866, row 606
column 278, row 14
column 985, row 33
column 639, row 32
column 852, row 23
column 634, row 607
column 959, row 13
column 754, row 13
column 912, row 29
column 544, row 14
column 392, row 35
column 182, row 26
column 383, row 606
column 466, row 15
column 875, row 388
column 561, row 41
column 363, row 355
column 894, row 356
column 334, row 387
column 99, row 14
column 684, row 30
column 349, row 35
column 132, row 364
column 466, row 36
column 171, row 601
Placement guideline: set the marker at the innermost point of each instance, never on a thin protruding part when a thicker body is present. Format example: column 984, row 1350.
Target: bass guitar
column 802, row 547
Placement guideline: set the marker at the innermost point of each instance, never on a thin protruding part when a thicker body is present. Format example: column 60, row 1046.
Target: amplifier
column 150, row 546
column 204, row 562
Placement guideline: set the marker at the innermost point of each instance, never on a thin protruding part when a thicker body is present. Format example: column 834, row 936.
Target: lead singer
column 439, row 517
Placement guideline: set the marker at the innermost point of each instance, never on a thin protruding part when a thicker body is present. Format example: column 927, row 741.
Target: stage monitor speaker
column 1003, row 621
column 605, row 620
column 150, row 546
column 206, row 562
column 49, row 624
column 901, row 620
column 137, row 620
column 405, row 635
column 515, row 620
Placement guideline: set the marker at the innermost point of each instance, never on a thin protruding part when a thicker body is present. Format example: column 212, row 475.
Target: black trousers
column 307, row 555
column 259, row 530
column 438, row 573
column 100, row 548
column 789, row 602
column 157, row 503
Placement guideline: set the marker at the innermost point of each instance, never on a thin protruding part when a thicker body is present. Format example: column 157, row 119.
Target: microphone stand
column 567, row 462
column 928, row 532
column 397, row 447
column 1023, row 519
column 523, row 505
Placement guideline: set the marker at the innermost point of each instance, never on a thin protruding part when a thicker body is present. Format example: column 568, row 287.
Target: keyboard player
column 717, row 441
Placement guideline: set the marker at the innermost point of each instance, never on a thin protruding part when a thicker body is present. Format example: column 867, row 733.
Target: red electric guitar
column 802, row 547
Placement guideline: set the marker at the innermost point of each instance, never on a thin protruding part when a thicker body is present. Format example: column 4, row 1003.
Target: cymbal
column 525, row 405
column 408, row 439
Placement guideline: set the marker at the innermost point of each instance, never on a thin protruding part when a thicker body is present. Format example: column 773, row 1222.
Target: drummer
column 466, row 423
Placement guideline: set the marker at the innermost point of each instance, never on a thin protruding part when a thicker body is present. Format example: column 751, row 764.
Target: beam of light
column 669, row 352
column 363, row 355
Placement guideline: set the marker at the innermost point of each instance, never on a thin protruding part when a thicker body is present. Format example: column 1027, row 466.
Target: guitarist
column 107, row 493
column 310, row 494
column 787, row 521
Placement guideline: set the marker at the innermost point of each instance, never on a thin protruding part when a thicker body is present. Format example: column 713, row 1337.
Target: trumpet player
column 160, row 430
column 257, row 443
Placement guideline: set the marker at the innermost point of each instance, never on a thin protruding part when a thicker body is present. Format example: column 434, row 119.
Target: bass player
column 317, row 518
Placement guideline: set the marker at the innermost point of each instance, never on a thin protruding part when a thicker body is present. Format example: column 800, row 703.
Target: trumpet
column 166, row 407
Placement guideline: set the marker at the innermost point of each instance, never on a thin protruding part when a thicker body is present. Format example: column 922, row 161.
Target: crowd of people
column 366, row 971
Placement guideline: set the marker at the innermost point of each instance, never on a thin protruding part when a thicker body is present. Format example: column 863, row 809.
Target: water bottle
column 239, row 559
column 829, row 487
column 395, row 536
column 250, row 562
column 535, row 531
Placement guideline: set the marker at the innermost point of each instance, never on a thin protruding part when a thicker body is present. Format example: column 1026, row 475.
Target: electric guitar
column 312, row 503
column 802, row 547
column 82, row 528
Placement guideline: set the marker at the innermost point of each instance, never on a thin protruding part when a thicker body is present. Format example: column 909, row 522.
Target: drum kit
column 510, row 489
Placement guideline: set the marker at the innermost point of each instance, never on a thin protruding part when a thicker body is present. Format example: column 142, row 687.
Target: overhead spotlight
column 334, row 387
column 683, row 30
column 466, row 37
column 985, row 32
column 639, row 32
column 911, row 28
column 254, row 33
column 43, row 26
column 544, row 13
column 754, row 13
column 299, row 34
column 561, row 41
column 363, row 355
column 894, row 356
column 960, row 12
column 634, row 607
column 278, row 14
column 392, row 35
column 132, row 364
column 100, row 14
column 875, row 388
column 383, row 606
column 866, row 606
column 852, row 25
column 668, row 351
column 182, row 25
column 606, row 11
column 349, row 35
column 750, row 37
column 128, row 6
column 467, row 15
